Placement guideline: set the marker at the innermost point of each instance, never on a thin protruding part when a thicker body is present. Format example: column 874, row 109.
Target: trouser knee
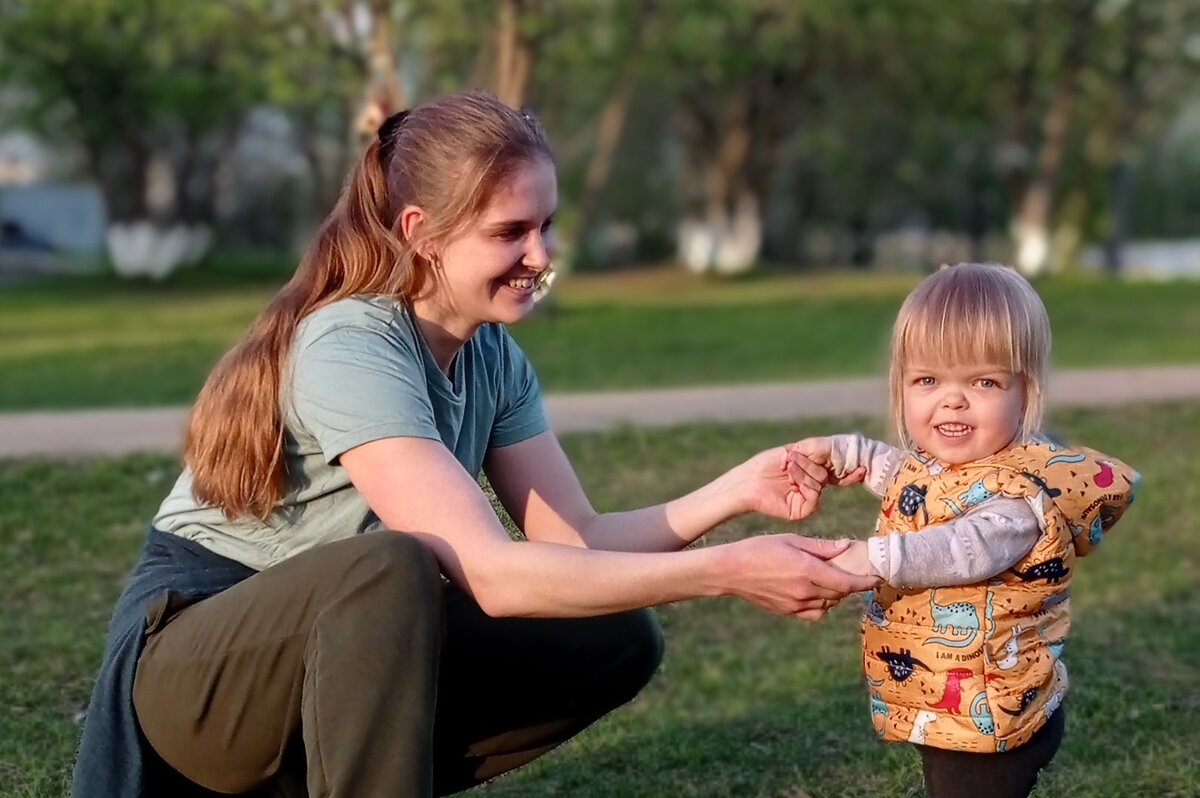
column 634, row 644
column 395, row 569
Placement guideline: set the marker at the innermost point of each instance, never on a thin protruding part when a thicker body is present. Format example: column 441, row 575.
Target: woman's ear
column 411, row 218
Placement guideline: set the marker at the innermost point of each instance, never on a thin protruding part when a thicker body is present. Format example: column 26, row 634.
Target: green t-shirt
column 361, row 371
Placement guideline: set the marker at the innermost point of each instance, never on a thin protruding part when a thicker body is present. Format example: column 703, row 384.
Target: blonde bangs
column 973, row 313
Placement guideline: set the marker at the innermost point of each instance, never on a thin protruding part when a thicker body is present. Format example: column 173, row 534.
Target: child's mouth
column 953, row 430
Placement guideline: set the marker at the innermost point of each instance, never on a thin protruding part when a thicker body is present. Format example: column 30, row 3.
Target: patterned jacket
column 977, row 667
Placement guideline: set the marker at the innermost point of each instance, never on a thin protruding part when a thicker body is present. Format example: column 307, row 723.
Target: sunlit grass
column 97, row 342
column 746, row 704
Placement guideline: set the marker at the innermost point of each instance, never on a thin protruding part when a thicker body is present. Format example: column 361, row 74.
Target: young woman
column 273, row 630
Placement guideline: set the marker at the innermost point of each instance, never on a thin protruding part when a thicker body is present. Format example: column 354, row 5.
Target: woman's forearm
column 532, row 579
column 664, row 527
column 786, row 574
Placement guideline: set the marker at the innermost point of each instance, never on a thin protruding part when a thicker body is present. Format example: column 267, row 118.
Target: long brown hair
column 448, row 157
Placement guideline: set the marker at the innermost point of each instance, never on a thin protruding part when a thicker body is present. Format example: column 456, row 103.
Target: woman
column 262, row 637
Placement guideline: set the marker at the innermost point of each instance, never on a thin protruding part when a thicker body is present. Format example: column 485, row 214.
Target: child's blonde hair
column 973, row 313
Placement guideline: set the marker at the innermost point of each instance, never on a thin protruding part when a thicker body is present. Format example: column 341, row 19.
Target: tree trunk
column 385, row 92
column 724, row 235
column 1032, row 219
column 121, row 172
column 1137, row 30
column 514, row 52
column 608, row 134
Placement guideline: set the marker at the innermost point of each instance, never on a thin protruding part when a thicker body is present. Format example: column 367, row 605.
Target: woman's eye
column 547, row 224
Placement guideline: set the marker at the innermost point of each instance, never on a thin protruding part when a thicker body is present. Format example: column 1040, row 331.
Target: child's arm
column 844, row 454
column 973, row 547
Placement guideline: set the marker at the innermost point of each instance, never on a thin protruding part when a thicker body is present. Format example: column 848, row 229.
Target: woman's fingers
column 810, row 615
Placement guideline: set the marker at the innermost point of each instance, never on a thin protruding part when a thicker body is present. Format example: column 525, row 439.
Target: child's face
column 960, row 414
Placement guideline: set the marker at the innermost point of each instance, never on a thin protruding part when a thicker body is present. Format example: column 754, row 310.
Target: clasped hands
column 787, row 573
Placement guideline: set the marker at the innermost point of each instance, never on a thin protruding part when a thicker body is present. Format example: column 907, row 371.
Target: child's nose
column 954, row 398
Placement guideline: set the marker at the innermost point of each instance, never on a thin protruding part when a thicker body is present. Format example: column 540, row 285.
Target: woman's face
column 489, row 271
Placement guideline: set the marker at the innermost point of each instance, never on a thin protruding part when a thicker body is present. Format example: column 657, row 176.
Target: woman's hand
column 779, row 482
column 789, row 574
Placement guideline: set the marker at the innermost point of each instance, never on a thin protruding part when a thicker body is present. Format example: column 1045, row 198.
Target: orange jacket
column 977, row 667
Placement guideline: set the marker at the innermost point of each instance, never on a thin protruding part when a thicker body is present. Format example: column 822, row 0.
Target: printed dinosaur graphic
column 1041, row 483
column 1026, row 699
column 959, row 617
column 1051, row 570
column 920, row 724
column 912, row 499
column 951, row 699
column 901, row 664
column 1011, row 650
column 981, row 714
column 875, row 613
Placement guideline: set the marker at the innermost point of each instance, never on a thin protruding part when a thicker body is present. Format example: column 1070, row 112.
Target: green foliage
column 862, row 116
column 746, row 704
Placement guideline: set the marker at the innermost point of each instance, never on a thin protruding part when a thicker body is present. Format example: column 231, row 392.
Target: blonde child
column 981, row 521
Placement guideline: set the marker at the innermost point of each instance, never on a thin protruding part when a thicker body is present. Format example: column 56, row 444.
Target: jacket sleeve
column 849, row 451
column 983, row 542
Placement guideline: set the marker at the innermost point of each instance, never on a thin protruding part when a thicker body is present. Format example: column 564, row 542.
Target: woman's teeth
column 522, row 283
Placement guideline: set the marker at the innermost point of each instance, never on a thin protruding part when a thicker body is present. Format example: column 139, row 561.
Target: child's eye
column 926, row 381
column 986, row 383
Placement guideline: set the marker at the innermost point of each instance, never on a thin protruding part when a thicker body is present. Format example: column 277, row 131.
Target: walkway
column 119, row 432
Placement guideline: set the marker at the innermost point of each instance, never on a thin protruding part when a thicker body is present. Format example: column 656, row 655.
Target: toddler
column 981, row 522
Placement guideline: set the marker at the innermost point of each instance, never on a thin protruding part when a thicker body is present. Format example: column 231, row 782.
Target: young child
column 981, row 522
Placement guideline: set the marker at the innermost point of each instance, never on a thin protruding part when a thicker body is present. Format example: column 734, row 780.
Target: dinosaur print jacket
column 977, row 667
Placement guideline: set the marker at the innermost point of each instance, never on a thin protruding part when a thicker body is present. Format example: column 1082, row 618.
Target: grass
column 746, row 704
column 93, row 342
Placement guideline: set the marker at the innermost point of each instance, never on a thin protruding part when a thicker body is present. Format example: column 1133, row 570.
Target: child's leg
column 1012, row 774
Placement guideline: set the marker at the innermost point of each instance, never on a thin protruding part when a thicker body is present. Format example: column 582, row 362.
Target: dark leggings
column 1012, row 774
column 353, row 670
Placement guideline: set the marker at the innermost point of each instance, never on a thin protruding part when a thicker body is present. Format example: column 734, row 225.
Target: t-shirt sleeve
column 520, row 414
column 354, row 384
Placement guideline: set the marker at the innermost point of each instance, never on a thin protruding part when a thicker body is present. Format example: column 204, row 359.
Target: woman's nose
column 539, row 251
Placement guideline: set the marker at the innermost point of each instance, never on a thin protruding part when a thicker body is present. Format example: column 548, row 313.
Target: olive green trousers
column 355, row 670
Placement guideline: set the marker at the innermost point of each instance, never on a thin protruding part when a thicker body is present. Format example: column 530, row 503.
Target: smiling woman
column 327, row 564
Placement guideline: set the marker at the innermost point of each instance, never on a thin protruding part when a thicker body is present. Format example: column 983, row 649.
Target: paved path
column 118, row 432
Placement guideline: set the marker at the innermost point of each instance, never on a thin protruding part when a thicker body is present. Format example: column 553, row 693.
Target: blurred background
column 748, row 190
column 146, row 135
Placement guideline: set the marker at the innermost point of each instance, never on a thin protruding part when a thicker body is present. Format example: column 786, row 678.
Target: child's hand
column 854, row 560
column 820, row 451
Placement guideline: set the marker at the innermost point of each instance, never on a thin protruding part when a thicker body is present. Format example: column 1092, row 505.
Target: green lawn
column 746, row 704
column 93, row 342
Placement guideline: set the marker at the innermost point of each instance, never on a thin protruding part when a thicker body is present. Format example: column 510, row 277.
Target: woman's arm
column 416, row 486
column 535, row 482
